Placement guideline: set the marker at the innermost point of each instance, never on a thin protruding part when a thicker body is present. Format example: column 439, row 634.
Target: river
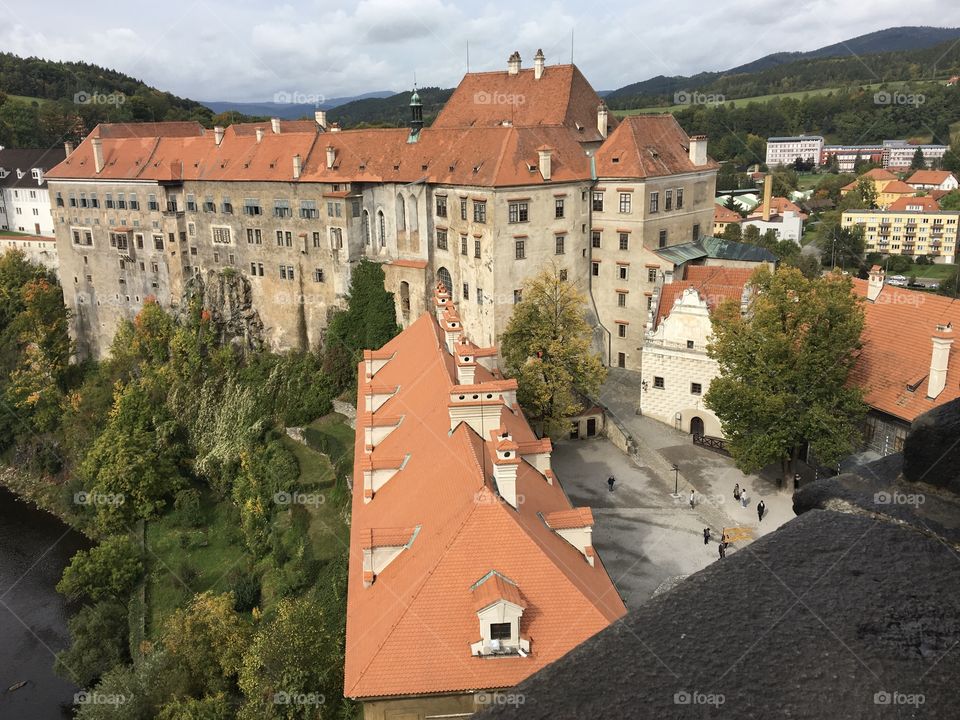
column 34, row 549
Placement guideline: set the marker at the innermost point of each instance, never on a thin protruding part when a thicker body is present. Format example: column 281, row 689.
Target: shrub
column 186, row 505
column 109, row 570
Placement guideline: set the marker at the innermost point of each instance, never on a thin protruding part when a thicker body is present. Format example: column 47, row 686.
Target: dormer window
column 500, row 608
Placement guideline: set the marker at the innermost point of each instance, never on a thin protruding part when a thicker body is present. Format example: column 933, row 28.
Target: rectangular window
column 283, row 272
column 139, row 240
column 441, row 206
column 463, row 208
column 260, row 269
column 518, row 212
column 625, row 202
column 94, row 203
column 563, row 274
column 154, row 267
column 251, row 206
column 152, row 203
column 59, row 199
column 441, row 239
column 76, row 237
column 316, row 239
column 560, row 245
column 476, row 247
column 689, row 344
column 558, row 208
column 191, row 203
column 308, row 209
column 517, row 296
column 158, row 242
column 621, row 360
column 624, row 241
column 479, row 296
column 679, row 198
column 595, row 268
column 595, row 238
column 253, row 268
column 668, row 200
column 622, row 272
column 651, row 274
column 216, row 257
column 466, row 291
column 281, row 209
column 193, row 251
column 209, row 205
column 109, row 201
column 279, row 238
column 654, row 202
column 500, row 631
column 479, row 211
column 662, row 241
column 73, row 201
column 463, row 244
column 520, row 250
column 221, row 235
column 658, row 382
column 696, row 389
column 621, row 299
column 621, row 330
column 696, row 232
column 598, row 202
column 318, row 275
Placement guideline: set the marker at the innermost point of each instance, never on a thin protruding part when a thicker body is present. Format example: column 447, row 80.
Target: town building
column 24, row 199
column 898, row 154
column 887, row 186
column 913, row 226
column 786, row 150
column 723, row 216
column 907, row 364
column 470, row 570
column 522, row 169
column 933, row 180
column 849, row 155
column 677, row 371
column 779, row 214
column 37, row 249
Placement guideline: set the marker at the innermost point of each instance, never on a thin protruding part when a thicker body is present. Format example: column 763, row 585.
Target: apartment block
column 913, row 226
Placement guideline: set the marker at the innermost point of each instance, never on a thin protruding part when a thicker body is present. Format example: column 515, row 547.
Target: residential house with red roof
column 933, row 180
column 469, row 567
column 723, row 216
column 523, row 169
column 677, row 371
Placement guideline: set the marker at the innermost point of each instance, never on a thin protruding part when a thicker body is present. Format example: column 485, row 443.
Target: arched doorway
column 696, row 426
column 443, row 275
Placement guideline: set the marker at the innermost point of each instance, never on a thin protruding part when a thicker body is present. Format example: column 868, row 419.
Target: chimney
column 67, row 149
column 538, row 62
column 505, row 466
column 940, row 360
column 441, row 300
column 698, row 149
column 545, row 164
column 297, row 166
column 602, row 118
column 275, row 125
column 259, row 134
column 335, row 127
column 875, row 283
column 217, row 134
column 513, row 64
column 321, row 117
column 331, row 157
column 39, row 175
column 480, row 406
column 452, row 327
column 466, row 364
column 767, row 196
column 97, row 144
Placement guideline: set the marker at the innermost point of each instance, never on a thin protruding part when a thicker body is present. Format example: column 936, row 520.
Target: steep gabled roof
column 929, row 177
column 925, row 204
column 714, row 284
column 25, row 160
column 645, row 146
column 411, row 630
column 725, row 214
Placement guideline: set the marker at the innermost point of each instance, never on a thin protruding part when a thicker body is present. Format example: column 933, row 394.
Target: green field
column 27, row 100
column 932, row 272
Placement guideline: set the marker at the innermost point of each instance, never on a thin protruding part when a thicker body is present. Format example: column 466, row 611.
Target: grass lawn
column 28, row 100
column 183, row 561
column 13, row 233
column 933, row 272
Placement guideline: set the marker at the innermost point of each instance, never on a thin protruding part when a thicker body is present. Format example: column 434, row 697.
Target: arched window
column 381, row 229
column 365, row 221
column 405, row 298
column 443, row 275
column 414, row 214
column 401, row 213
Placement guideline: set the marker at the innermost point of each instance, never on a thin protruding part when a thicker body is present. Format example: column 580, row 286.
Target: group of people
column 741, row 497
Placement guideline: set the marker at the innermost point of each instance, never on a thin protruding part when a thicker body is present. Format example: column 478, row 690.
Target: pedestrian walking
column 723, row 550
column 691, row 499
column 610, row 481
column 743, row 497
column 706, row 535
column 736, row 492
column 761, row 509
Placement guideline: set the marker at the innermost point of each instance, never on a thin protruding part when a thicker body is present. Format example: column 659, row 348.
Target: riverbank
column 44, row 494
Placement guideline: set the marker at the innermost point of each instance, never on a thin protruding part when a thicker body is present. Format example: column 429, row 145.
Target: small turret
column 416, row 116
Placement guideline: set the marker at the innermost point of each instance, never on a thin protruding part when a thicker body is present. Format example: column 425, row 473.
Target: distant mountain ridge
column 894, row 39
column 290, row 110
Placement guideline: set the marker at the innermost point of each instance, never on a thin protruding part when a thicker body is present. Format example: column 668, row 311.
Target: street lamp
column 676, row 480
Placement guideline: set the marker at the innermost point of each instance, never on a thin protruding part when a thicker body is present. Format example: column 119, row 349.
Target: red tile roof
column 778, row 206
column 715, row 284
column 561, row 97
column 926, row 203
column 645, row 146
column 929, row 177
column 411, row 630
column 898, row 186
column 495, row 587
column 725, row 215
column 569, row 519
column 897, row 346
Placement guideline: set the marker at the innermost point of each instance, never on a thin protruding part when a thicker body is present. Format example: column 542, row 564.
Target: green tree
column 784, row 370
column 211, row 707
column 808, row 263
column 546, row 346
column 109, row 570
column 98, row 642
column 919, row 162
column 950, row 201
column 731, row 232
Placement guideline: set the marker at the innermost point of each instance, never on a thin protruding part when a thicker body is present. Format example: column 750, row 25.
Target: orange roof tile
column 386, row 537
column 925, row 204
column 897, row 344
column 724, row 214
column 929, row 177
column 568, row 519
column 899, row 187
column 494, row 587
column 410, row 631
column 715, row 284
column 645, row 146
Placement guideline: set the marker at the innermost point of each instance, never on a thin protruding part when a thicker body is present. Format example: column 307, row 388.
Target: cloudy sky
column 240, row 50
